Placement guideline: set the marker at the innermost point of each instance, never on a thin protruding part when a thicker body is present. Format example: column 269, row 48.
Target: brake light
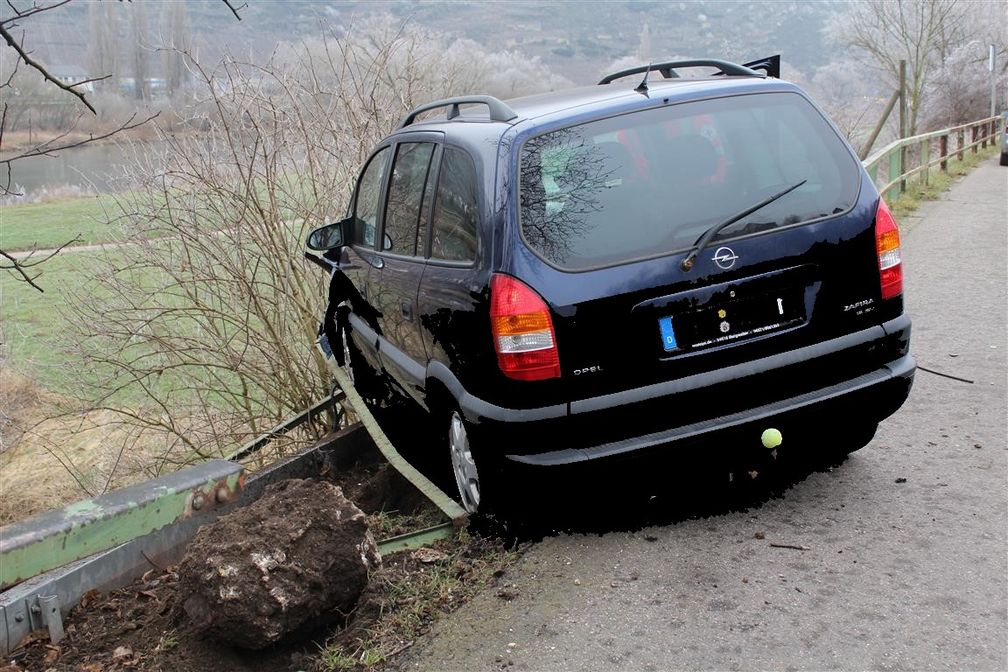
column 522, row 331
column 887, row 242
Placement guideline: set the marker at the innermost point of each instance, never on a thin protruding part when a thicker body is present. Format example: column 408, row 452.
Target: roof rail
column 499, row 111
column 668, row 69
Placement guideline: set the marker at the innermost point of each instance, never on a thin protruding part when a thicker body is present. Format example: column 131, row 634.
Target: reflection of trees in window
column 563, row 175
column 456, row 210
column 405, row 195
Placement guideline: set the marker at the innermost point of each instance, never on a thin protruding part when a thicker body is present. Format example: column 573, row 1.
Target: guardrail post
column 983, row 137
column 943, row 148
column 962, row 143
column 925, row 160
column 974, row 132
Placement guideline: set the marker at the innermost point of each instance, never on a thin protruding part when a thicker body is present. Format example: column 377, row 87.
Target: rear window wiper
column 701, row 243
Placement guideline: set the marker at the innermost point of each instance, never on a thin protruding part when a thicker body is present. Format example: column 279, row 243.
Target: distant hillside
column 576, row 39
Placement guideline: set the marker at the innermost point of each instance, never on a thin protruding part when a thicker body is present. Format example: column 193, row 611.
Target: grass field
column 34, row 344
column 48, row 225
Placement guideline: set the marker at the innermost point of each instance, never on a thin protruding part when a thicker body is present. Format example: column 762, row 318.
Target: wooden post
column 925, row 159
column 974, row 133
column 943, row 148
column 870, row 142
column 962, row 143
column 902, row 121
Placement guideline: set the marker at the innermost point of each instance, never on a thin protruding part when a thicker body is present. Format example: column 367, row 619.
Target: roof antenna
column 642, row 88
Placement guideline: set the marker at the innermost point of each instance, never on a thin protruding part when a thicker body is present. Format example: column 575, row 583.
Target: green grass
column 32, row 332
column 48, row 225
column 938, row 182
column 411, row 601
column 37, row 342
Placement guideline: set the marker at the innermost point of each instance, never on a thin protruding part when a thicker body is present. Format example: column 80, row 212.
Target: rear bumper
column 869, row 397
column 865, row 375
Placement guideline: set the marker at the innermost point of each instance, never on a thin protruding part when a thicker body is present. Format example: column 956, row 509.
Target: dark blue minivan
column 597, row 272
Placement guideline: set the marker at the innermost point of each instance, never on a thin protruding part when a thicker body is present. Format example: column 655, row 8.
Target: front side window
column 368, row 194
column 405, row 196
column 652, row 182
column 456, row 211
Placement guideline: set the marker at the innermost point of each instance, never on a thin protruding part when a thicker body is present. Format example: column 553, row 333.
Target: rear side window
column 405, row 195
column 456, row 211
column 650, row 183
column 368, row 195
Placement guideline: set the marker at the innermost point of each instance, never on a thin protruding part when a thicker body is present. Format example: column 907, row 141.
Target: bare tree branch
column 21, row 265
column 30, row 62
column 24, row 14
column 233, row 9
column 49, row 148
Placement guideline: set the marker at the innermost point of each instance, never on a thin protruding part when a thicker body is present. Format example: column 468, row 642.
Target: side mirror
column 328, row 237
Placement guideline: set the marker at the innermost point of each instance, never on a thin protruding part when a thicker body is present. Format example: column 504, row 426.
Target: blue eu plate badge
column 667, row 335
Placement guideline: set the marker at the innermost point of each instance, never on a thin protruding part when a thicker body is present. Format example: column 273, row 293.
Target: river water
column 90, row 169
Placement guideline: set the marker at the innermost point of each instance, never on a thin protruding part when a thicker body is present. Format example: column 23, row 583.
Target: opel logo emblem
column 724, row 257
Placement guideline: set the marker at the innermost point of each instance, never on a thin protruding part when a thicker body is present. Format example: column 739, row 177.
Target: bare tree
column 921, row 32
column 140, row 50
column 103, row 54
column 179, row 42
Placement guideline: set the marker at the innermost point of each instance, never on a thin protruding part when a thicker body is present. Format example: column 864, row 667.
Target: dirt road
column 896, row 574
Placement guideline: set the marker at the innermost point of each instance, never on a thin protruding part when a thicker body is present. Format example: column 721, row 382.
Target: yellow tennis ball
column 771, row 438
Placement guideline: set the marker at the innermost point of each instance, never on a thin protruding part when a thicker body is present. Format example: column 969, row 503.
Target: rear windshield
column 651, row 183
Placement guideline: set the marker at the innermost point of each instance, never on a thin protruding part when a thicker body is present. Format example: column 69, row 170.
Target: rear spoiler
column 770, row 65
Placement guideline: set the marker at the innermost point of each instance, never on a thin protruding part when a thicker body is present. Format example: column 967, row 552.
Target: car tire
column 1004, row 159
column 476, row 476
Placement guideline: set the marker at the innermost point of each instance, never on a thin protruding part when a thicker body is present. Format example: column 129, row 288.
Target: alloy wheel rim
column 466, row 475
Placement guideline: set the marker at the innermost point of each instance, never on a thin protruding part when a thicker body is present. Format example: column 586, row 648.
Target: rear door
column 454, row 327
column 610, row 209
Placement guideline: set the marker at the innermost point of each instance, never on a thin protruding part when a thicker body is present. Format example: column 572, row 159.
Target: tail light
column 522, row 330
column 887, row 242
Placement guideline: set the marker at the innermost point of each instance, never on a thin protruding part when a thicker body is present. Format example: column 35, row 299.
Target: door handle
column 407, row 309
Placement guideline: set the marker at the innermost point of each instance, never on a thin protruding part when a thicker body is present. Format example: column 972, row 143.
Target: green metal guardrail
column 922, row 148
column 55, row 538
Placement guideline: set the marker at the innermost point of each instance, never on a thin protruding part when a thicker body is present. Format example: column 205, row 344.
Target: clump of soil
column 300, row 553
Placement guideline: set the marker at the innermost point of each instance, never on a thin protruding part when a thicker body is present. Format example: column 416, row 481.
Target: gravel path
column 896, row 575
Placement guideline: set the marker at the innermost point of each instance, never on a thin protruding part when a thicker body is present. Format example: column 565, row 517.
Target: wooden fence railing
column 915, row 156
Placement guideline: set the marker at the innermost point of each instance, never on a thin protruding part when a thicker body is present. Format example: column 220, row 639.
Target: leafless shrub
column 203, row 321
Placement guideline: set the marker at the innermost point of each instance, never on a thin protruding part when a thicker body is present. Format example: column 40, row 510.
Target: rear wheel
column 467, row 476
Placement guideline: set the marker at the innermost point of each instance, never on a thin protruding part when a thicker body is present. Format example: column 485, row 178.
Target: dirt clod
column 300, row 554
